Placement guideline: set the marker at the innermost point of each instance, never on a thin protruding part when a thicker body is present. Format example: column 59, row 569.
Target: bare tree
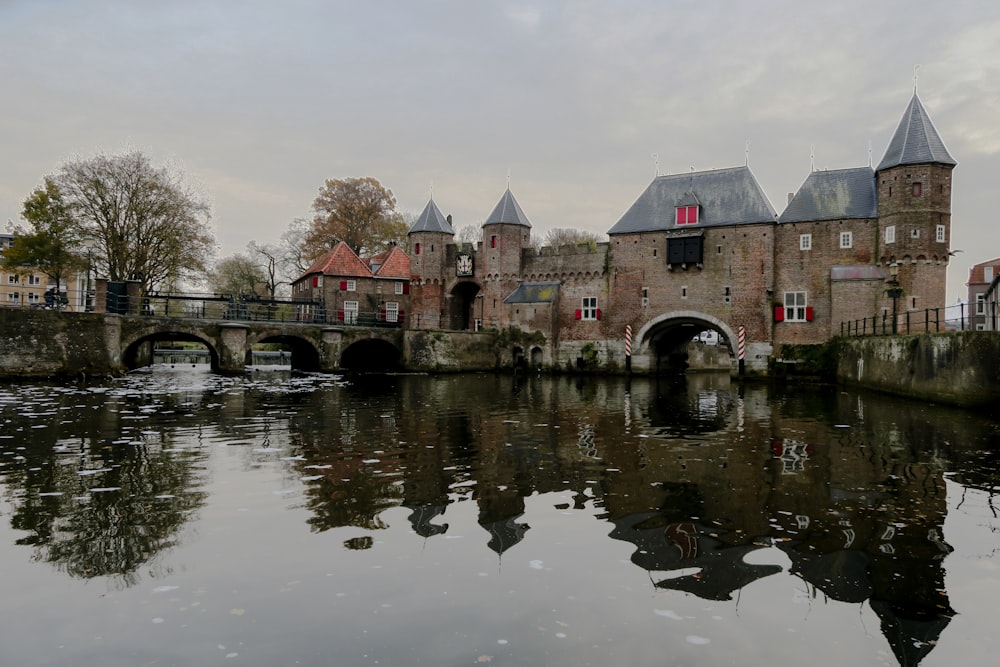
column 567, row 236
column 268, row 259
column 469, row 234
column 145, row 224
column 294, row 259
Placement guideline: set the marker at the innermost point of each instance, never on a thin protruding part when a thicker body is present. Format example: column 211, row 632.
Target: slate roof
column 431, row 220
column 726, row 197
column 507, row 211
column 340, row 261
column 394, row 264
column 916, row 140
column 534, row 293
column 834, row 195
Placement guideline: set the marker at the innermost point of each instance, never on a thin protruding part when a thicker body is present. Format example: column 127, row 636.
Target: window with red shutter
column 779, row 314
column 406, row 288
column 577, row 314
column 809, row 313
column 343, row 285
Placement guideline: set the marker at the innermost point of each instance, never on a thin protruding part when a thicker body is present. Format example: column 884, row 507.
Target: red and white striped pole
column 741, row 346
column 628, row 348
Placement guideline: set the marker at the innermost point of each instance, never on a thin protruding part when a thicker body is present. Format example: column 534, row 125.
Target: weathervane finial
column 656, row 162
column 915, row 68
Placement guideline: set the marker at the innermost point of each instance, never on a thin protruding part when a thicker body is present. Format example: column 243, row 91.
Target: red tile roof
column 395, row 264
column 341, row 261
column 976, row 274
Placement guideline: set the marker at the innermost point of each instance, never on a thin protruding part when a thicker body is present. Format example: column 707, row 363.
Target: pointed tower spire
column 916, row 140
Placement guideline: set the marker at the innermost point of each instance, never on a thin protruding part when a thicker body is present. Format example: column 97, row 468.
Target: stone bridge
column 313, row 347
column 48, row 343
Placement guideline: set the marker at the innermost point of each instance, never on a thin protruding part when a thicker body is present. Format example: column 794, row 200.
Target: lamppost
column 894, row 291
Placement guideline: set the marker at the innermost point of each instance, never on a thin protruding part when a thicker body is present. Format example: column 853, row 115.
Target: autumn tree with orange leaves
column 361, row 212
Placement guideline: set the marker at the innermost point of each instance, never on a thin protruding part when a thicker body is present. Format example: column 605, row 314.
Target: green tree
column 361, row 212
column 145, row 224
column 238, row 275
column 51, row 243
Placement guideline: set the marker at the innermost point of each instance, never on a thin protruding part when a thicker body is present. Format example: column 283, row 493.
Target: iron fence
column 950, row 318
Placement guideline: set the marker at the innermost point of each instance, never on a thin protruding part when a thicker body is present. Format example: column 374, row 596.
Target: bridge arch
column 304, row 355
column 137, row 351
column 664, row 340
column 371, row 354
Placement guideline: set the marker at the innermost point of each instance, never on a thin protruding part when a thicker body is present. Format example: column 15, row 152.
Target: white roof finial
column 656, row 162
column 915, row 68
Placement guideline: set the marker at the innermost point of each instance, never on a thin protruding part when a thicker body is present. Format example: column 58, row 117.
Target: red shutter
column 406, row 288
column 779, row 314
column 315, row 281
column 416, row 249
column 577, row 314
column 343, row 285
column 340, row 316
column 681, row 215
column 692, row 215
column 598, row 313
column 809, row 313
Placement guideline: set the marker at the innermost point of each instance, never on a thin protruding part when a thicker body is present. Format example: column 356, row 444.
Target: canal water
column 175, row 517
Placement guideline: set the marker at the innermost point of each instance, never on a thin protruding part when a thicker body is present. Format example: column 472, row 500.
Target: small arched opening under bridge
column 297, row 352
column 170, row 347
column 683, row 341
column 371, row 355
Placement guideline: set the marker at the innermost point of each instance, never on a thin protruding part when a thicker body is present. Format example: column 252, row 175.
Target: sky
column 577, row 104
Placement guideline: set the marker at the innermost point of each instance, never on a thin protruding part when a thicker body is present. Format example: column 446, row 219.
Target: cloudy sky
column 258, row 103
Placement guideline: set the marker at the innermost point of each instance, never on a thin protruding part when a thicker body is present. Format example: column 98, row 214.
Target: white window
column 980, row 304
column 34, row 280
column 391, row 311
column 805, row 241
column 890, row 234
column 939, row 234
column 33, row 298
column 988, row 274
column 846, row 239
column 13, row 297
column 399, row 288
column 352, row 286
column 350, row 312
column 13, row 279
column 589, row 311
column 795, row 306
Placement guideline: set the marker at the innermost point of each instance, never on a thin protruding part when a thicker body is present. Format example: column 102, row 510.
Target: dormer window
column 687, row 215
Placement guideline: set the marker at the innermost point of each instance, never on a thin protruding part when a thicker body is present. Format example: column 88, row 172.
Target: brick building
column 697, row 251
column 342, row 287
column 982, row 286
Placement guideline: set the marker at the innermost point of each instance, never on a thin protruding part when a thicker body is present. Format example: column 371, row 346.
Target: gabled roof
column 916, row 140
column 833, row 195
column 507, row 211
column 340, row 261
column 725, row 197
column 394, row 264
column 978, row 276
column 431, row 220
column 534, row 293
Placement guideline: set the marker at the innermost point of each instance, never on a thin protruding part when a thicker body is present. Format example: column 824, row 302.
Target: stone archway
column 662, row 345
column 462, row 302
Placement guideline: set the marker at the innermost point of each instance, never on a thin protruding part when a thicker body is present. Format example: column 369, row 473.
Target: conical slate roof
column 507, row 211
column 431, row 220
column 916, row 140
column 834, row 195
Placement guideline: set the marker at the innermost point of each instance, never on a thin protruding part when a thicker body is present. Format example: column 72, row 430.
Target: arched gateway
column 663, row 345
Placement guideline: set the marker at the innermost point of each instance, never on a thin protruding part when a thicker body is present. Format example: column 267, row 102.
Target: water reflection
column 705, row 480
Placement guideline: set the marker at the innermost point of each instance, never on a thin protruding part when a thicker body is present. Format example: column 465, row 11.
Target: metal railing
column 951, row 318
column 204, row 307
